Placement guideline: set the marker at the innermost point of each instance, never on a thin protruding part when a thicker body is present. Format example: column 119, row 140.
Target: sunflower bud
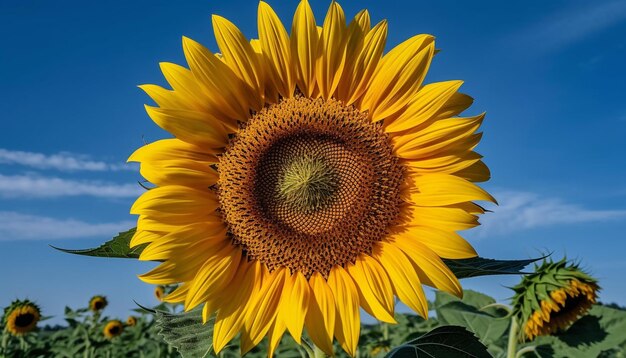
column 552, row 298
column 131, row 321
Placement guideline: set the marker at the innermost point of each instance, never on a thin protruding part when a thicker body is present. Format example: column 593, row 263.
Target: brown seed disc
column 308, row 184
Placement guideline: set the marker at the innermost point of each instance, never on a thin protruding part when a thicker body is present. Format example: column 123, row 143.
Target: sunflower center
column 308, row 184
column 24, row 320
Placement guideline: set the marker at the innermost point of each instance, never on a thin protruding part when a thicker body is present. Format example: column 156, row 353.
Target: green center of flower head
column 24, row 320
column 307, row 183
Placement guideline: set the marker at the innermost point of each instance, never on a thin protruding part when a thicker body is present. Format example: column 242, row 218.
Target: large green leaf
column 119, row 246
column 602, row 333
column 186, row 332
column 445, row 341
column 479, row 266
column 490, row 325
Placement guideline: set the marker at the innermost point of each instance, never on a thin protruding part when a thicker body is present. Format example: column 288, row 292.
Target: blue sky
column 550, row 76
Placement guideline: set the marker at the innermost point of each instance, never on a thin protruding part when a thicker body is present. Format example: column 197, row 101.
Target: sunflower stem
column 524, row 350
column 512, row 345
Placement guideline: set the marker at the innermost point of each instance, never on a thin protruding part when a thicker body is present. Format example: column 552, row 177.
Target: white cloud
column 31, row 186
column 523, row 210
column 16, row 226
column 566, row 27
column 60, row 161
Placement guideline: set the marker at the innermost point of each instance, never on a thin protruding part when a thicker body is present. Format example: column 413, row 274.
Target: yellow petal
column 446, row 162
column 357, row 79
column 443, row 218
column 444, row 189
column 231, row 316
column 263, row 311
column 170, row 149
column 216, row 273
column 423, row 106
column 185, row 84
column 175, row 200
column 178, row 295
column 169, row 272
column 331, row 51
column 304, row 38
column 197, row 128
column 183, row 172
column 477, row 172
column 442, row 135
column 446, row 244
column 198, row 236
column 455, row 105
column 276, row 50
column 227, row 93
column 246, row 343
column 144, row 237
column 398, row 77
column 320, row 318
column 238, row 53
column 406, row 283
column 430, row 265
column 348, row 322
column 166, row 98
column 275, row 334
column 375, row 290
column 294, row 304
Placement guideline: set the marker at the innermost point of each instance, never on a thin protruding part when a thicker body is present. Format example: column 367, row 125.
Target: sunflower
column 131, row 321
column 159, row 292
column 113, row 329
column 310, row 175
column 552, row 298
column 98, row 303
column 21, row 317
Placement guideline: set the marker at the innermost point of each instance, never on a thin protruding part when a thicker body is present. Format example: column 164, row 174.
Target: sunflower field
column 310, row 182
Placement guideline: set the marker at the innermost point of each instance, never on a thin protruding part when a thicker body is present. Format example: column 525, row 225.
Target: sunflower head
column 21, row 317
column 552, row 298
column 311, row 175
column 113, row 329
column 98, row 303
column 131, row 321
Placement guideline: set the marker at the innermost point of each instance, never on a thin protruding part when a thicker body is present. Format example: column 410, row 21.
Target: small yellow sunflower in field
column 552, row 298
column 131, row 321
column 310, row 175
column 113, row 329
column 21, row 317
column 98, row 303
column 159, row 292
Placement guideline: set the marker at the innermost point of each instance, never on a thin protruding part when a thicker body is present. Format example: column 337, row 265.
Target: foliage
column 475, row 324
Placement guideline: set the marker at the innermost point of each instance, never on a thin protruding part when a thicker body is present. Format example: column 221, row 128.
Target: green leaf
column 445, row 341
column 490, row 325
column 186, row 332
column 598, row 334
column 119, row 247
column 479, row 266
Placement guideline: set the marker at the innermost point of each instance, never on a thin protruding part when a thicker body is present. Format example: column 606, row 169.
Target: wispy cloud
column 17, row 226
column 60, row 161
column 571, row 25
column 33, row 186
column 523, row 210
